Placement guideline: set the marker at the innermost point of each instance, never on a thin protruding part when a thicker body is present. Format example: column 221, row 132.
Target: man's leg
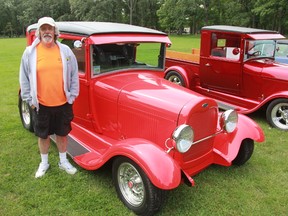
column 43, row 145
column 61, row 142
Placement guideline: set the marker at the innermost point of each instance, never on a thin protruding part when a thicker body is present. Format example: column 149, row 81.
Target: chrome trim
column 208, row 137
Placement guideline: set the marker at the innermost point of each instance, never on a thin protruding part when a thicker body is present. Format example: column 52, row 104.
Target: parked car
column 156, row 134
column 236, row 67
column 281, row 53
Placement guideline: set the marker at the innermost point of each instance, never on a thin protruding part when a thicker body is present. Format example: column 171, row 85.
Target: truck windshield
column 259, row 48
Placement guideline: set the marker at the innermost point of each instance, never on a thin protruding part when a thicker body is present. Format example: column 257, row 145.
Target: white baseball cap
column 46, row 20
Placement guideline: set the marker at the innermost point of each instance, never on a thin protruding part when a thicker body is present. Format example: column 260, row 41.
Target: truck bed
column 194, row 56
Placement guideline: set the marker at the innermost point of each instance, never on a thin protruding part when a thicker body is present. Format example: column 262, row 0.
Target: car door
column 81, row 106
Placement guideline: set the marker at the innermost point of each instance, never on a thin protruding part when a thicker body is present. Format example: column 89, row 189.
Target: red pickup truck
column 237, row 67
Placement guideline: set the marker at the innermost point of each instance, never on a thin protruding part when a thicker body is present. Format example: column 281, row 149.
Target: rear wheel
column 277, row 114
column 245, row 152
column 135, row 189
column 175, row 77
column 25, row 112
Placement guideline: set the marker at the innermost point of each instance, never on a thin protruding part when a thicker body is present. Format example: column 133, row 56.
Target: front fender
column 227, row 146
column 160, row 167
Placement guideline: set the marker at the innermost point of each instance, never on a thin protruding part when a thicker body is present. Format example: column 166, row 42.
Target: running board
column 90, row 160
column 224, row 106
column 73, row 148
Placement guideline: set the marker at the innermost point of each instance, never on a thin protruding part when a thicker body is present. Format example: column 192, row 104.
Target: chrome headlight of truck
column 229, row 120
column 183, row 137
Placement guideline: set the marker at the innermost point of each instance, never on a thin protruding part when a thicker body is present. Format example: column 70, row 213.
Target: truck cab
column 237, row 67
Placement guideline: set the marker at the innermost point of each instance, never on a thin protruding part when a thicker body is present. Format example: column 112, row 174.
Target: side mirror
column 77, row 44
column 235, row 51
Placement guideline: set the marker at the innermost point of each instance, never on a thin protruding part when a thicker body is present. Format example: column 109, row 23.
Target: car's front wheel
column 245, row 152
column 277, row 114
column 25, row 112
column 135, row 189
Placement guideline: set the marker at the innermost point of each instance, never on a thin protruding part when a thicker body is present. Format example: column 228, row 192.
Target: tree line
column 165, row 15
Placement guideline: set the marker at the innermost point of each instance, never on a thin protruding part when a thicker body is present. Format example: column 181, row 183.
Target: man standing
column 49, row 84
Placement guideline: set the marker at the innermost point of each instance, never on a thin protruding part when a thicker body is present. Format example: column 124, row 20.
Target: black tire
column 277, row 114
column 245, row 152
column 175, row 77
column 26, row 114
column 134, row 188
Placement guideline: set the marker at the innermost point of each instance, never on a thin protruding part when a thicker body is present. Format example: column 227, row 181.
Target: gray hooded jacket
column 28, row 76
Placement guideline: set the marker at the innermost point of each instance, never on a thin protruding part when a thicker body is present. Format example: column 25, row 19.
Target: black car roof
column 89, row 28
column 237, row 29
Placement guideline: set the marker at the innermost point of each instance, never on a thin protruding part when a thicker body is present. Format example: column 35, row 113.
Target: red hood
column 270, row 68
column 140, row 100
column 158, row 96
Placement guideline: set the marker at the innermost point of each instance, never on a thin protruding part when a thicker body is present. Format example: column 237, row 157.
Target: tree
column 131, row 5
column 268, row 11
column 167, row 15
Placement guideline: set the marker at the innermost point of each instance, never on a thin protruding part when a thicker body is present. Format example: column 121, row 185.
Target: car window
column 111, row 57
column 78, row 52
column 225, row 46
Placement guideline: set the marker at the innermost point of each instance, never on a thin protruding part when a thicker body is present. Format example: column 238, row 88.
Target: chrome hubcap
column 175, row 79
column 279, row 115
column 25, row 113
column 131, row 184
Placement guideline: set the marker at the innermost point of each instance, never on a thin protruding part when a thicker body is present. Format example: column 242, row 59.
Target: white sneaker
column 43, row 167
column 67, row 167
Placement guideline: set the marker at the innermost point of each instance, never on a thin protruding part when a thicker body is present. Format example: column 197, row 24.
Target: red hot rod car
column 156, row 134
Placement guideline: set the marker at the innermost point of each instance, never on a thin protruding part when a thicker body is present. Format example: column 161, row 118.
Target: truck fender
column 159, row 166
column 182, row 72
column 246, row 129
column 276, row 95
column 268, row 100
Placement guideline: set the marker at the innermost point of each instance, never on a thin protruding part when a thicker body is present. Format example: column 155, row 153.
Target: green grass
column 184, row 43
column 257, row 188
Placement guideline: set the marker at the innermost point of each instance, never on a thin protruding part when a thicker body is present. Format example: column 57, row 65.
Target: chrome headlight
column 183, row 137
column 229, row 120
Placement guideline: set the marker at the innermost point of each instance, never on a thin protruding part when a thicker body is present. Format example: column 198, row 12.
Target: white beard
column 47, row 38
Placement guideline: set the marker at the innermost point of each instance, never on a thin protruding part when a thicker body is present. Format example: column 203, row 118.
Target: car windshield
column 111, row 57
column 259, row 48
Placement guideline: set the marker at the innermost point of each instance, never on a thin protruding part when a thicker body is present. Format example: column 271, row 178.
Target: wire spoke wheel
column 131, row 184
column 135, row 189
column 25, row 112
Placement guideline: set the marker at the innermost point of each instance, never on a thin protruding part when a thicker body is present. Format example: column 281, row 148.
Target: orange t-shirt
column 50, row 85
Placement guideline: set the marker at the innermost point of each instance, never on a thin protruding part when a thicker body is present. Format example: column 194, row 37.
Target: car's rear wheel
column 25, row 112
column 135, row 189
column 175, row 77
column 245, row 152
column 277, row 114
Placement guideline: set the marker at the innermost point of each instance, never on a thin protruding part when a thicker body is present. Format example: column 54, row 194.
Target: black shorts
column 53, row 120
